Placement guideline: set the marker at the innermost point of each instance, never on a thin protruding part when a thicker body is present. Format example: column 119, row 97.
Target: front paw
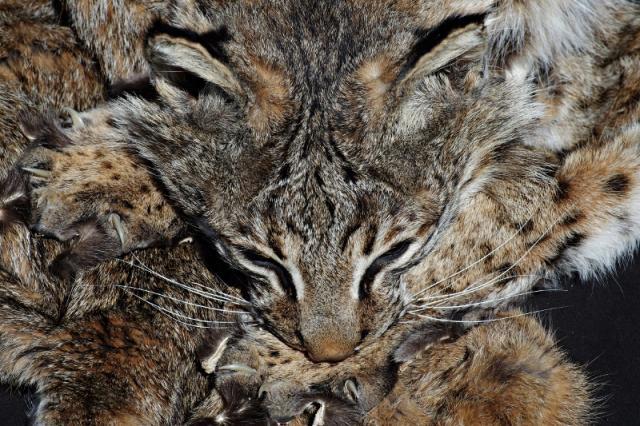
column 86, row 188
column 238, row 375
column 256, row 373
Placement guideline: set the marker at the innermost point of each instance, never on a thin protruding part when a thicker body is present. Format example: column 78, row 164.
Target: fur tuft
column 529, row 33
column 14, row 199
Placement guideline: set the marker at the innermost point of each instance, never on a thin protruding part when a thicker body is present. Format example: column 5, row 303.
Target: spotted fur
column 428, row 156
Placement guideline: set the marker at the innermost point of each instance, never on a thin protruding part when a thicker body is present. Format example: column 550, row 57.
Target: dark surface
column 598, row 329
column 13, row 406
column 597, row 326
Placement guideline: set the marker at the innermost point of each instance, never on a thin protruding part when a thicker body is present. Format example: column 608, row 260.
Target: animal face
column 326, row 149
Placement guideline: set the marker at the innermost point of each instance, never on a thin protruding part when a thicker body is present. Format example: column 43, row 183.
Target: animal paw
column 257, row 372
column 236, row 368
column 85, row 188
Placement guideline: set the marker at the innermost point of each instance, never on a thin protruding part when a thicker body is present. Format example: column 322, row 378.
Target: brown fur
column 302, row 158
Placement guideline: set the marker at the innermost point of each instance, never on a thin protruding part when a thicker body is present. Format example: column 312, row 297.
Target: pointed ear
column 184, row 65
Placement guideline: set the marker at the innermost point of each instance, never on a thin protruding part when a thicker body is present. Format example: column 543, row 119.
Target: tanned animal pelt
column 96, row 353
column 363, row 191
column 489, row 376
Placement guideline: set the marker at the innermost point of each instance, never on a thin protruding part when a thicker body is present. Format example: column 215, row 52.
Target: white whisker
column 473, row 289
column 205, row 294
column 221, row 293
column 423, row 308
column 487, row 320
column 205, row 288
column 165, row 296
column 171, row 314
column 477, row 261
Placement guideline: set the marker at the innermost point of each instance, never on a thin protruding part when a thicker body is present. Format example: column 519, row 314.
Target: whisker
column 165, row 296
column 205, row 294
column 479, row 260
column 172, row 315
column 423, row 308
column 441, row 297
column 473, row 289
column 205, row 288
column 488, row 320
column 221, row 293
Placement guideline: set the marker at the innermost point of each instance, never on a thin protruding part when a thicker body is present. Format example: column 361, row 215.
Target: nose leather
column 330, row 351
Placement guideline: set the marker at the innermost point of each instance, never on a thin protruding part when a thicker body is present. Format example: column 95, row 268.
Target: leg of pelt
column 103, row 370
column 104, row 366
column 505, row 372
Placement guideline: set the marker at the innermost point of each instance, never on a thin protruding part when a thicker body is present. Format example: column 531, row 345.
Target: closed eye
column 284, row 276
column 385, row 259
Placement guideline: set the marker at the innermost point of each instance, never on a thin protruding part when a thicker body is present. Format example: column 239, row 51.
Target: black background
column 596, row 325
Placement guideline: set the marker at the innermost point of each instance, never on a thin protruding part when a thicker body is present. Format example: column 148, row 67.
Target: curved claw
column 76, row 120
column 209, row 364
column 318, row 418
column 39, row 173
column 11, row 198
column 351, row 390
column 28, row 133
column 116, row 222
column 187, row 240
column 237, row 368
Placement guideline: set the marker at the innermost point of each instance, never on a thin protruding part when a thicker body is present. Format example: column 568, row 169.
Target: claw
column 76, row 120
column 187, row 240
column 209, row 364
column 11, row 198
column 27, row 132
column 351, row 390
column 40, row 173
column 116, row 222
column 318, row 418
column 237, row 368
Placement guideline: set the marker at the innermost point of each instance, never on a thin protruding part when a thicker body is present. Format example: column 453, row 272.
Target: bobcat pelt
column 352, row 173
